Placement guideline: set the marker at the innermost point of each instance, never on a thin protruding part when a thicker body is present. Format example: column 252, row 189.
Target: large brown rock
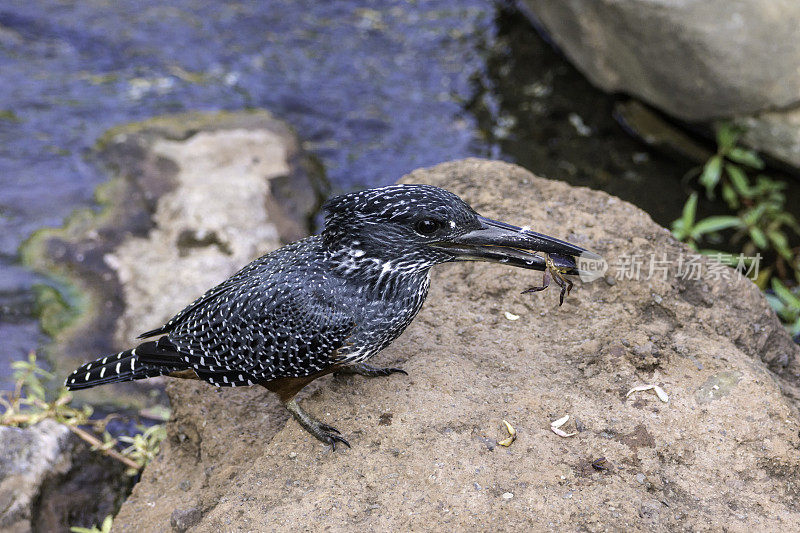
column 722, row 451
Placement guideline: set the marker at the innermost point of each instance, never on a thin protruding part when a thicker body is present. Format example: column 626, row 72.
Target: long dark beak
column 503, row 243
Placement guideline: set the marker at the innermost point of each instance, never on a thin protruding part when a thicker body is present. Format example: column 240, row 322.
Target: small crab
column 556, row 267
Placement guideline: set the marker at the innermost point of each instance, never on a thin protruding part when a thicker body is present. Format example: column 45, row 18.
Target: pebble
column 657, row 298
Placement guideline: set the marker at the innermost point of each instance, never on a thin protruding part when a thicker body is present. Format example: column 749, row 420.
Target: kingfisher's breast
column 381, row 316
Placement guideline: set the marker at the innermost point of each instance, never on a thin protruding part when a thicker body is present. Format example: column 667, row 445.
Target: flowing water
column 372, row 92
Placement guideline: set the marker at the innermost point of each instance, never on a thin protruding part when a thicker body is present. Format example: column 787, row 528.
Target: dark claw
column 319, row 430
column 333, row 439
column 566, row 286
column 395, row 371
column 546, row 278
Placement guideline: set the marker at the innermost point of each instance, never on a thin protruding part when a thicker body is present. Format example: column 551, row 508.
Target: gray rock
column 27, row 457
column 694, row 59
column 775, row 132
column 50, row 480
column 183, row 519
column 708, row 465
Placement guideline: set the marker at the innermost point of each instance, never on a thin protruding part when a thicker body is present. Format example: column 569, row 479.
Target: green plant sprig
column 28, row 404
column 760, row 223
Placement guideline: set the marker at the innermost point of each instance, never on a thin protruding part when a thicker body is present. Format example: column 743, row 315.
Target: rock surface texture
column 50, row 479
column 695, row 59
column 722, row 452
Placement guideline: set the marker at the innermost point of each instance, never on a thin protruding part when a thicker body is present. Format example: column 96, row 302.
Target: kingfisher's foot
column 321, row 431
column 363, row 369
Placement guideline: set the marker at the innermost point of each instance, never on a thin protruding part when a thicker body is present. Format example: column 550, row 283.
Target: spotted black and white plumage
column 332, row 301
column 336, row 298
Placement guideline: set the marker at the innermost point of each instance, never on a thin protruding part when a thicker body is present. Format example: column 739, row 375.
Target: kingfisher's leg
column 363, row 369
column 323, row 432
column 286, row 389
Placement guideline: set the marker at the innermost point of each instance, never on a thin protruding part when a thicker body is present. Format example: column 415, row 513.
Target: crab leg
column 546, row 279
column 553, row 273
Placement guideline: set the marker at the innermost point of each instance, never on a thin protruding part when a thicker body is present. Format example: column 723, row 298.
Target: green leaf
column 711, row 174
column 682, row 227
column 759, row 239
column 727, row 136
column 775, row 303
column 763, row 278
column 794, row 329
column 790, row 221
column 781, row 243
column 730, row 196
column 689, row 212
column 712, row 224
column 767, row 184
column 36, row 390
column 745, row 157
column 753, row 215
column 677, row 229
column 739, row 180
column 786, row 296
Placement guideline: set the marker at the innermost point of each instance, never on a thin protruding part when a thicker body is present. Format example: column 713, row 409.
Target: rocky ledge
column 50, row 480
column 722, row 450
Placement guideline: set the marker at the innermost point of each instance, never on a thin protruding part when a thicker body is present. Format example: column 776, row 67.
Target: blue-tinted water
column 373, row 88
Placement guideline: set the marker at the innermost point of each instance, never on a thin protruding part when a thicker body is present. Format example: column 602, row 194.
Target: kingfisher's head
column 413, row 227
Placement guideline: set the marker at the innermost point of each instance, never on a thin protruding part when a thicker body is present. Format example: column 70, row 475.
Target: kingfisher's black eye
column 427, row 226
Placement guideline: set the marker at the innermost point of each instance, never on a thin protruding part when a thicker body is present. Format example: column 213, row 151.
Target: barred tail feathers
column 124, row 366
